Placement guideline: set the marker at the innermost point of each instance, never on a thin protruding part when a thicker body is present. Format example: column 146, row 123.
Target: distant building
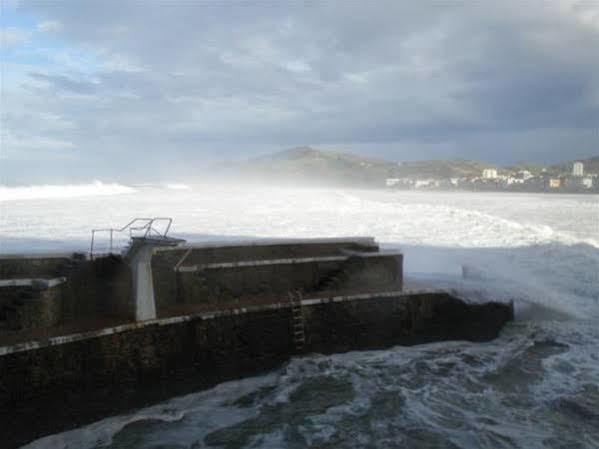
column 525, row 174
column 577, row 169
column 489, row 173
column 421, row 183
column 390, row 182
column 555, row 183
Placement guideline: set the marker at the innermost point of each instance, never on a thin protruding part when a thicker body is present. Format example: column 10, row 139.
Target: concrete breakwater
column 248, row 308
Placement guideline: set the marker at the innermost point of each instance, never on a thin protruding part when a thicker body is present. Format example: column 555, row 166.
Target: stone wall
column 228, row 284
column 93, row 376
column 167, row 286
column 379, row 321
column 30, row 307
column 94, row 289
column 263, row 250
column 102, row 287
column 233, row 282
column 14, row 267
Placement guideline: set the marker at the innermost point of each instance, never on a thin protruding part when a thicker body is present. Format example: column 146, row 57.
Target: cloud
column 64, row 83
column 12, row 36
column 402, row 80
column 49, row 26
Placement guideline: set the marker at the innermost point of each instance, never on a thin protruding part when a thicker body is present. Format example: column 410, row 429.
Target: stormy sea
column 536, row 386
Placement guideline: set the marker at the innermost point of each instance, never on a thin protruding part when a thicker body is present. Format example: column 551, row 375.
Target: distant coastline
column 310, row 166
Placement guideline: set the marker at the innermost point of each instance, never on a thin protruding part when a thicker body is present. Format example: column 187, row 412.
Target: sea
column 536, row 386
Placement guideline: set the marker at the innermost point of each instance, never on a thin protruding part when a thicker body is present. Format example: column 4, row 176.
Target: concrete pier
column 190, row 316
column 109, row 371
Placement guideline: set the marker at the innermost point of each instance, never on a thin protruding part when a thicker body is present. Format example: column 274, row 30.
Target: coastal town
column 575, row 180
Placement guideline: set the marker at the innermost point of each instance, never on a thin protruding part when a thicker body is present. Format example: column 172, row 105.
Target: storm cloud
column 100, row 86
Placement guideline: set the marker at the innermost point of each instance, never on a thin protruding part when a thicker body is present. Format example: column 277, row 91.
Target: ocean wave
column 62, row 191
column 176, row 186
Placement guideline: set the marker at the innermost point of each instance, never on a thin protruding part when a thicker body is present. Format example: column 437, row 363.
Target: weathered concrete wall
column 92, row 376
column 94, row 289
column 166, row 286
column 363, row 274
column 223, row 283
column 102, row 287
column 380, row 321
column 13, row 267
column 30, row 307
column 227, row 275
column 264, row 250
column 231, row 282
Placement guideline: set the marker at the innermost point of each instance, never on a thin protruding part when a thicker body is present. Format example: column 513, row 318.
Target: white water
column 540, row 250
column 61, row 191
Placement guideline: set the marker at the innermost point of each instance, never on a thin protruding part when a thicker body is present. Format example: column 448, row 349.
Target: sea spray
column 62, row 191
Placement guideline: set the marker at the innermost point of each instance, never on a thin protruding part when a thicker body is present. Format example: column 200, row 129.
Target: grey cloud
column 453, row 79
column 61, row 82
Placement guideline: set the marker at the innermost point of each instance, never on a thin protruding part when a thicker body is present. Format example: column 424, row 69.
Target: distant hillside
column 306, row 164
column 443, row 169
column 591, row 165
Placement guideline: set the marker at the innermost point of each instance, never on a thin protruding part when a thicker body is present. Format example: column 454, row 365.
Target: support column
column 143, row 286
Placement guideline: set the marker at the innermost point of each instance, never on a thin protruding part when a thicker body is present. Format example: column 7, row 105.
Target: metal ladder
column 297, row 320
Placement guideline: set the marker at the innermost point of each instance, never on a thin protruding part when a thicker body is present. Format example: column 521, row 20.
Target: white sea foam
column 62, row 191
column 178, row 186
column 540, row 250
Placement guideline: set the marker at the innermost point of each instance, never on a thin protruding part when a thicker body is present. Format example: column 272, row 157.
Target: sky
column 148, row 90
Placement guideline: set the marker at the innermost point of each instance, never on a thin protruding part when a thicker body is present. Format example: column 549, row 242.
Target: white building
column 390, row 182
column 577, row 169
column 420, row 183
column 525, row 174
column 489, row 173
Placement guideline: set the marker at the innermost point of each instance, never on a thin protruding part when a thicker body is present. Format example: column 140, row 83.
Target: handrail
column 147, row 226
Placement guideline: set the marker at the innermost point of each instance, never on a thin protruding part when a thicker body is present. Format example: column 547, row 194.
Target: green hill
column 310, row 165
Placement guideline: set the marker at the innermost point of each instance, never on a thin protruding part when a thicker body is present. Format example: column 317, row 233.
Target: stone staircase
column 335, row 280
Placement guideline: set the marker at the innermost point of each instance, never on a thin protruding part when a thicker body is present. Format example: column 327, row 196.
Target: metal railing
column 136, row 228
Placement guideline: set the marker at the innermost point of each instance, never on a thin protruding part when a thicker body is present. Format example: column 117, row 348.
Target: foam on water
column 523, row 390
column 61, row 191
column 533, row 387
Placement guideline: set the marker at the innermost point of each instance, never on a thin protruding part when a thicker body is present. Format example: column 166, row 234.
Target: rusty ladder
column 297, row 317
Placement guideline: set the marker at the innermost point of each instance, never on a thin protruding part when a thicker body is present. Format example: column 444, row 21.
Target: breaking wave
column 176, row 186
column 95, row 188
